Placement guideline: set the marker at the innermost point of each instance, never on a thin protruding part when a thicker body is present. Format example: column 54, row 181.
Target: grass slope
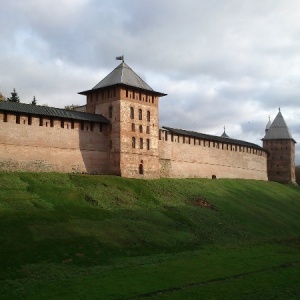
column 76, row 236
column 298, row 174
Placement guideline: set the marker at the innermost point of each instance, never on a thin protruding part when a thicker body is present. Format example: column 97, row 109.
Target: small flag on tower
column 120, row 57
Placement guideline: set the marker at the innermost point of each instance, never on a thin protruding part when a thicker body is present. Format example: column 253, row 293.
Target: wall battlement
column 168, row 137
column 43, row 144
column 185, row 156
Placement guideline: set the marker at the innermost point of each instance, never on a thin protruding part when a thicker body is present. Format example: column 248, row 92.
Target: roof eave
column 266, row 139
column 122, row 84
column 216, row 138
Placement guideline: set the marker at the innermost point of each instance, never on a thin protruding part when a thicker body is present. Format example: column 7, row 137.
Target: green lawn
column 103, row 237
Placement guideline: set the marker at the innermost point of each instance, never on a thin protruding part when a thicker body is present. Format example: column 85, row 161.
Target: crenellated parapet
column 191, row 154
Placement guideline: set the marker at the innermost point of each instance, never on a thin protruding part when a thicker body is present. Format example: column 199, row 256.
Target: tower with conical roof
column 280, row 144
column 131, row 105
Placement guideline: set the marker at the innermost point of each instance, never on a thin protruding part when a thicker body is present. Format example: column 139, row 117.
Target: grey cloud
column 221, row 62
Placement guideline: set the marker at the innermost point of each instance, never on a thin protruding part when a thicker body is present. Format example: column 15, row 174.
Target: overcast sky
column 222, row 63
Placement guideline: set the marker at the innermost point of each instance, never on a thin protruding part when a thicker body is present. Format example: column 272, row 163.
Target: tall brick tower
column 281, row 147
column 131, row 105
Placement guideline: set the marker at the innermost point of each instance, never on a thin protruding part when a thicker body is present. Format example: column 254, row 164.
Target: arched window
column 148, row 115
column 140, row 114
column 133, row 142
column 131, row 113
column 133, row 127
column 141, row 129
column 141, row 143
column 141, row 169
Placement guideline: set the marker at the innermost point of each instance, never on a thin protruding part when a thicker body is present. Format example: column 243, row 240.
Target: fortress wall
column 203, row 158
column 31, row 143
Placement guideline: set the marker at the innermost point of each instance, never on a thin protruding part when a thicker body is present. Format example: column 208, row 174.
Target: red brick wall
column 196, row 158
column 281, row 160
column 125, row 127
column 25, row 147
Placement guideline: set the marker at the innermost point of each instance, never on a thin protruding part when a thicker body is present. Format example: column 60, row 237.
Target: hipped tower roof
column 123, row 75
column 278, row 130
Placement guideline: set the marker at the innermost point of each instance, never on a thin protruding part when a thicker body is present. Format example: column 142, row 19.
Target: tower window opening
column 141, row 143
column 133, row 142
column 110, row 111
column 51, row 122
column 18, row 119
column 141, row 129
column 131, row 112
column 5, row 117
column 29, row 120
column 140, row 114
column 41, row 121
column 148, row 129
column 133, row 127
column 148, row 115
column 141, row 169
column 148, row 144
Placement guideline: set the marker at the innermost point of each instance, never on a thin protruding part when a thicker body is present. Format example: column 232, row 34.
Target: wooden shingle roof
column 123, row 75
column 38, row 110
column 212, row 138
column 278, row 130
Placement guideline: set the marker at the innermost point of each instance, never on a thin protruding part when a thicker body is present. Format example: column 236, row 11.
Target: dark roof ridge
column 50, row 111
column 213, row 137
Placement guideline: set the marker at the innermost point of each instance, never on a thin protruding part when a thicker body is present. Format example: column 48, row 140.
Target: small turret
column 268, row 125
column 224, row 135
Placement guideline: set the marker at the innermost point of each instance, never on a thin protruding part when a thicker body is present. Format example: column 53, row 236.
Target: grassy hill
column 78, row 236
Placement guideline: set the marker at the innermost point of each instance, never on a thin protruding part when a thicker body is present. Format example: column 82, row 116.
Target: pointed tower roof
column 123, row 75
column 224, row 135
column 278, row 130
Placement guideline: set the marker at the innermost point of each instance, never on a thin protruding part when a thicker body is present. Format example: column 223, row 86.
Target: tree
column 33, row 102
column 72, row 106
column 14, row 97
column 2, row 98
